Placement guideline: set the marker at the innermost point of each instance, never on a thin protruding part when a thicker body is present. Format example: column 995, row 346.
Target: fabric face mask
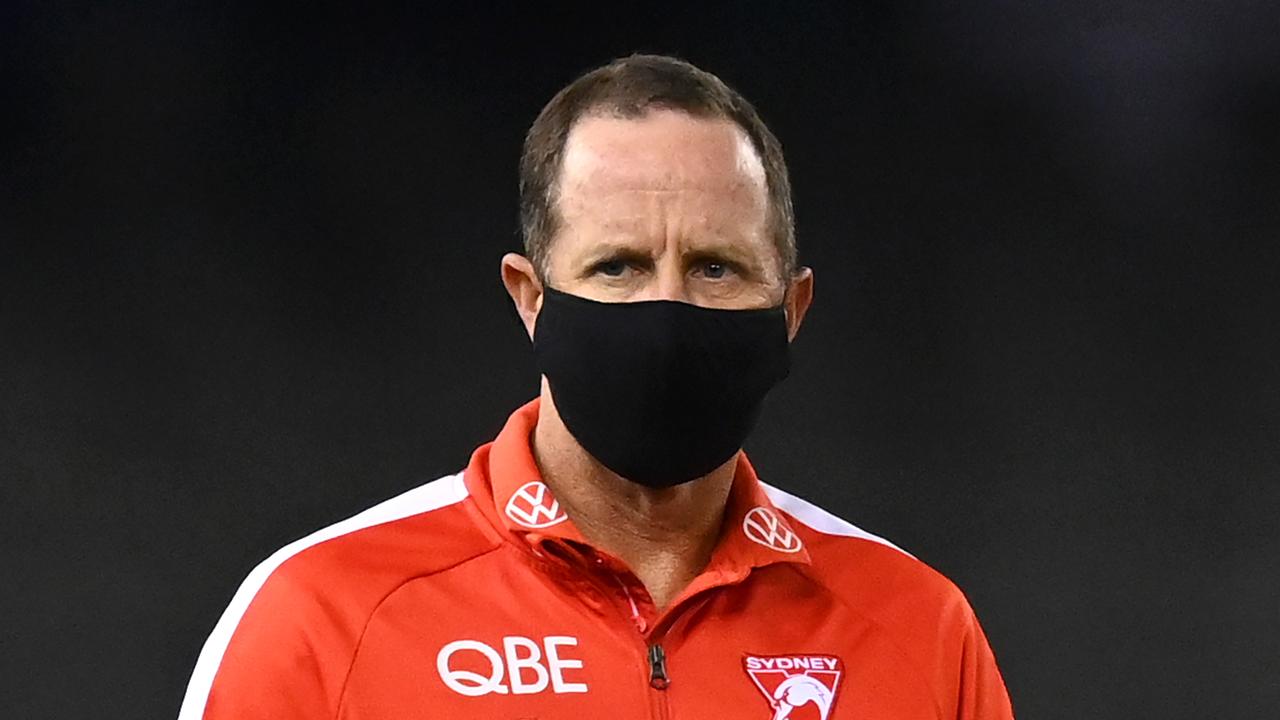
column 660, row 392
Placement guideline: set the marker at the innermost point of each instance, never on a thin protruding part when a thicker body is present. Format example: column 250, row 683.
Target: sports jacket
column 473, row 596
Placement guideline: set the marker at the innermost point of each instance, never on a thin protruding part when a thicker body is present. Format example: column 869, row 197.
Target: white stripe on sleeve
column 431, row 496
column 821, row 520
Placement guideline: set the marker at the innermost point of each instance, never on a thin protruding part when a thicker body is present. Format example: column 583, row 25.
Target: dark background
column 249, row 265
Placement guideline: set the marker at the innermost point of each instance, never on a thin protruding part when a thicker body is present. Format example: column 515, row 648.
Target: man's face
column 665, row 206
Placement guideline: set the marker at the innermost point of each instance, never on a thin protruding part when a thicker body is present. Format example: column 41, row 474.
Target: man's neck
column 665, row 535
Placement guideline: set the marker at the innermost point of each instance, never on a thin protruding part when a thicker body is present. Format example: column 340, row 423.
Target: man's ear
column 799, row 297
column 524, row 287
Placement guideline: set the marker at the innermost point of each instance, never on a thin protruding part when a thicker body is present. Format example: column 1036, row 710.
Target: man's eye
column 714, row 270
column 612, row 268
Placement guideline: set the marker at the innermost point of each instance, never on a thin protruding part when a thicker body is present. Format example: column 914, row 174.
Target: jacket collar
column 504, row 479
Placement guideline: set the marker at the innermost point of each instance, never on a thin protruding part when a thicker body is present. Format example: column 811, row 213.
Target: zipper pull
column 658, row 679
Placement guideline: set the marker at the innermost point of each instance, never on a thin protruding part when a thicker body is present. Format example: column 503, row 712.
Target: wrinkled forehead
column 661, row 151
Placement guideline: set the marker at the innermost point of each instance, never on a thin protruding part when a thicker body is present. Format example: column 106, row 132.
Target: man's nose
column 669, row 282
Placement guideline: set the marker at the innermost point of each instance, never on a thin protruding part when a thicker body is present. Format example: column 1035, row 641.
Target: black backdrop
column 249, row 264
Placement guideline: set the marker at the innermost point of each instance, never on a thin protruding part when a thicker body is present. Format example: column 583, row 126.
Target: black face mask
column 660, row 392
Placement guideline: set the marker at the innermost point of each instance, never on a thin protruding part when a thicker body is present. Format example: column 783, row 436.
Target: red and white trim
column 818, row 519
column 431, row 496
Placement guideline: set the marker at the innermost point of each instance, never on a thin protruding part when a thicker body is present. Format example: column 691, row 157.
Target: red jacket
column 473, row 596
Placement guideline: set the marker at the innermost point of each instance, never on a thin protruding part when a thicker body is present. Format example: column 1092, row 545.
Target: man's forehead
column 661, row 151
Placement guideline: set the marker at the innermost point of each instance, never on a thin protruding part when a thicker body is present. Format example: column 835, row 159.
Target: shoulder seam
column 820, row 520
column 435, row 495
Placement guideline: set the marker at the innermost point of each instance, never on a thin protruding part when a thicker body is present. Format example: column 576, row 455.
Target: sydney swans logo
column 797, row 687
column 533, row 506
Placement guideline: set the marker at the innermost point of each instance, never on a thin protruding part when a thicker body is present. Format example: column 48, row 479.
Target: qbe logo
column 524, row 667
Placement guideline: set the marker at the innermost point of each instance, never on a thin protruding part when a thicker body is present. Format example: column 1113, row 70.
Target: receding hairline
column 745, row 154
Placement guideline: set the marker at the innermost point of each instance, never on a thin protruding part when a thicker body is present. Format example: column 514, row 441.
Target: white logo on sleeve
column 534, row 507
column 523, row 667
column 763, row 525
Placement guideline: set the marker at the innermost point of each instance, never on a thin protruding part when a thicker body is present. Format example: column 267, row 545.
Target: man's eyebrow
column 614, row 251
column 725, row 251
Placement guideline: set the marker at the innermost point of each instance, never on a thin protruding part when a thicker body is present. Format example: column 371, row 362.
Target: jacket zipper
column 659, row 680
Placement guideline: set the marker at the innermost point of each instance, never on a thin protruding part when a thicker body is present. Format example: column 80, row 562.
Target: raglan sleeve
column 276, row 653
column 982, row 692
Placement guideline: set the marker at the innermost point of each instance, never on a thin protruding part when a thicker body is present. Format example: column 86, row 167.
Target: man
column 612, row 553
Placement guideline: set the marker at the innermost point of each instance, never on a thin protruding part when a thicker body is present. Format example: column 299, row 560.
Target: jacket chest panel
column 442, row 647
column 809, row 657
column 494, row 640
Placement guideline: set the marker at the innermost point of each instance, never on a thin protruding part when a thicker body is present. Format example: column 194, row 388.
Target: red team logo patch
column 798, row 687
